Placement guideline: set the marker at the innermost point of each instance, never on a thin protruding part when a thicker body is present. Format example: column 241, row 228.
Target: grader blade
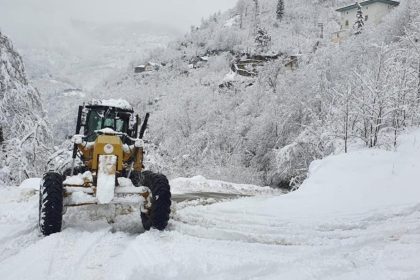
column 106, row 178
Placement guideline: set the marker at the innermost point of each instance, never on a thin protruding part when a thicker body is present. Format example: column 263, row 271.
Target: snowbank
column 359, row 183
column 200, row 184
column 31, row 183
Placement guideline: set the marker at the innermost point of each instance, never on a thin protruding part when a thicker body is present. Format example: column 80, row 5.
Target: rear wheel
column 158, row 214
column 51, row 203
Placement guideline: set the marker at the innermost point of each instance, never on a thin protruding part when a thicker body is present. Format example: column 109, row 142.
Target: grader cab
column 106, row 168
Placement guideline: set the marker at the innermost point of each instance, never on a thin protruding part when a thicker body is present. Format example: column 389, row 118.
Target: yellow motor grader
column 106, row 167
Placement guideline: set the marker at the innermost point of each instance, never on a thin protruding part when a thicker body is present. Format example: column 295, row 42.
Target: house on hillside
column 292, row 63
column 197, row 61
column 373, row 12
column 148, row 67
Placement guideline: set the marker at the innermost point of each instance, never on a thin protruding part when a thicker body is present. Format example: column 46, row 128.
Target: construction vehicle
column 106, row 168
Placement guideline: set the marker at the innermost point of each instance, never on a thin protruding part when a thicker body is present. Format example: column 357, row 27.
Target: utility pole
column 321, row 26
column 256, row 16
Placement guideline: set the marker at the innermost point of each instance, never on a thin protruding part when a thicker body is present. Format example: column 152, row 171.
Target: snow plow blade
column 106, row 178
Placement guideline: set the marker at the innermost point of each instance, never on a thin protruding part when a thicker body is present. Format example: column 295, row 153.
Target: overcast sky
column 176, row 13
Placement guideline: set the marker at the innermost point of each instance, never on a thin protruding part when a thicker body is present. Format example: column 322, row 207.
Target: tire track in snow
column 18, row 220
column 212, row 223
column 72, row 249
column 18, row 241
column 94, row 261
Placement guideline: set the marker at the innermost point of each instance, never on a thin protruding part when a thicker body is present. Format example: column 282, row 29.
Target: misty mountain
column 82, row 53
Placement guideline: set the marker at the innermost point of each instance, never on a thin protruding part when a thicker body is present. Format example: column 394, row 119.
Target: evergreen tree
column 256, row 16
column 1, row 136
column 280, row 9
column 358, row 25
column 2, row 145
column 262, row 39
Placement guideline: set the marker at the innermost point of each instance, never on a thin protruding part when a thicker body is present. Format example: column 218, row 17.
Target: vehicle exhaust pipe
column 78, row 127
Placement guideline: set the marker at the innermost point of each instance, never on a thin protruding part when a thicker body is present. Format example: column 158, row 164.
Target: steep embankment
column 22, row 119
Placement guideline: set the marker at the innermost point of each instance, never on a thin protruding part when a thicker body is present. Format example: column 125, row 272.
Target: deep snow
column 357, row 216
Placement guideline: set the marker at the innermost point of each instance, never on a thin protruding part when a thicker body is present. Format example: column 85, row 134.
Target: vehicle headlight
column 108, row 148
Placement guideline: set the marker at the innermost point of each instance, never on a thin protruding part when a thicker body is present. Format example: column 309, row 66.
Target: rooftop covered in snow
column 366, row 3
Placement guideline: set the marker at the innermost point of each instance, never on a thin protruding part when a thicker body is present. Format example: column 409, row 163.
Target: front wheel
column 158, row 214
column 51, row 203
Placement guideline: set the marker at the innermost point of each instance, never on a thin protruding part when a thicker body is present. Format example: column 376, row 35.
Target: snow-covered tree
column 360, row 21
column 241, row 7
column 262, row 39
column 1, row 137
column 256, row 14
column 22, row 120
column 280, row 9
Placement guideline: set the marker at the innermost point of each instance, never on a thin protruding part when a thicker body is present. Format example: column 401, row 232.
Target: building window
column 366, row 17
column 347, row 22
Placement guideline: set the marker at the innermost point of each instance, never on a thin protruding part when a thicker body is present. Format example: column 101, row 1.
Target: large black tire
column 136, row 178
column 51, row 203
column 158, row 215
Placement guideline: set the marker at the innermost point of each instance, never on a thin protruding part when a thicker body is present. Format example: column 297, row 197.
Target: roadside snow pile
column 200, row 184
column 31, row 183
column 363, row 182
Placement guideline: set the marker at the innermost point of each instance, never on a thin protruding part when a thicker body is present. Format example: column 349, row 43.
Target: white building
column 373, row 11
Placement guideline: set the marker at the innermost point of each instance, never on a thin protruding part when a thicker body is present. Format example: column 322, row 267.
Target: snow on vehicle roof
column 108, row 130
column 117, row 103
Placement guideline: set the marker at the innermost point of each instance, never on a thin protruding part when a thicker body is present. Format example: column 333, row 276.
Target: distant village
column 246, row 65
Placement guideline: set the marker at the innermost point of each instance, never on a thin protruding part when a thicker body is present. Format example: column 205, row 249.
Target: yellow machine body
column 111, row 145
column 108, row 145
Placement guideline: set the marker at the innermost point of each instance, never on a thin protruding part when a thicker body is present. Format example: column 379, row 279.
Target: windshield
column 106, row 118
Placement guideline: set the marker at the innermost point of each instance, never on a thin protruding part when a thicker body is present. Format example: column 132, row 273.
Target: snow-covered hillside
column 355, row 217
column 24, row 131
column 266, row 129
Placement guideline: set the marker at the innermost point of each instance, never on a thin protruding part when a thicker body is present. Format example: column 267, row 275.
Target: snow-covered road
column 356, row 217
column 218, row 241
